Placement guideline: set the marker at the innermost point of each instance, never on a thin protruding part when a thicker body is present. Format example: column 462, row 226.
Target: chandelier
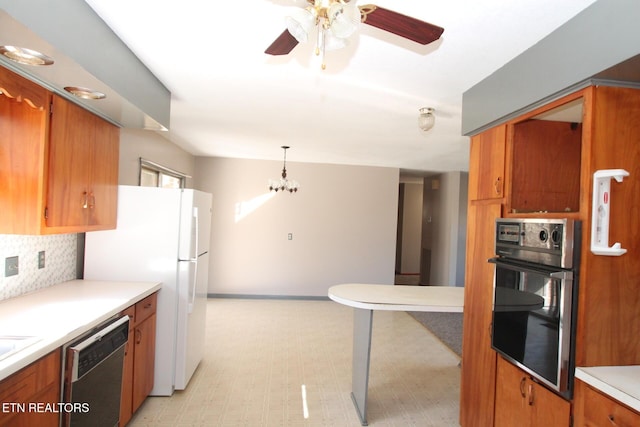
column 283, row 184
column 335, row 20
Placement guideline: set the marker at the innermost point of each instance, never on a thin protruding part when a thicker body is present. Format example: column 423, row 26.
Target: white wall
column 449, row 229
column 136, row 143
column 342, row 221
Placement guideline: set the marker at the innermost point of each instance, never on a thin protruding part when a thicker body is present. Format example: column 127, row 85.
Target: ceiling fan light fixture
column 426, row 119
column 300, row 23
column 343, row 19
column 331, row 42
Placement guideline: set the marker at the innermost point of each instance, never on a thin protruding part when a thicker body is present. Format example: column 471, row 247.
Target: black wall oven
column 535, row 295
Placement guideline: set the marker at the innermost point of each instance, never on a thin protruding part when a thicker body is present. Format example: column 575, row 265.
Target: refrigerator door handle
column 192, row 297
column 193, row 256
column 196, row 237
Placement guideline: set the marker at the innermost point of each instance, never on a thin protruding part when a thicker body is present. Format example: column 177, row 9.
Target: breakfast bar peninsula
column 365, row 298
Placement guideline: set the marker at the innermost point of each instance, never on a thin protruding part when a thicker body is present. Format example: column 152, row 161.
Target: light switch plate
column 11, row 266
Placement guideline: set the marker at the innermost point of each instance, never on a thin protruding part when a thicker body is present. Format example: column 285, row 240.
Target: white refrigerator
column 162, row 235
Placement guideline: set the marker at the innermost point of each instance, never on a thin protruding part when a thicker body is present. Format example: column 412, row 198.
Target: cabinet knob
column 522, row 383
column 531, row 395
column 612, row 420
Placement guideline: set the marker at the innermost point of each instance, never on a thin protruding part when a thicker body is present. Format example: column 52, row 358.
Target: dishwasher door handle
column 75, row 351
column 99, row 335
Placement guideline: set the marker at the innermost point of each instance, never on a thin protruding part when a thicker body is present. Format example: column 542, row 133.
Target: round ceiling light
column 426, row 119
column 84, row 93
column 25, row 56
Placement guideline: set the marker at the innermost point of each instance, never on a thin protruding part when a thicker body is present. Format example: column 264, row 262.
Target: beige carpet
column 259, row 354
column 447, row 327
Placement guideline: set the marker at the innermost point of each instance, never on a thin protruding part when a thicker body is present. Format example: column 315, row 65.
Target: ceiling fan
column 336, row 20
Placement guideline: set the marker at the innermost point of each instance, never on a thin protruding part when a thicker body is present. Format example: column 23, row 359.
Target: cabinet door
column 478, row 359
column 70, row 150
column 127, row 372
column 38, row 383
column 548, row 409
column 593, row 409
column 512, row 389
column 520, row 401
column 103, row 176
column 143, row 360
column 22, row 154
column 487, row 164
column 83, row 170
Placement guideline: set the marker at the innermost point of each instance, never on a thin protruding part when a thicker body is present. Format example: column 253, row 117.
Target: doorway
column 409, row 252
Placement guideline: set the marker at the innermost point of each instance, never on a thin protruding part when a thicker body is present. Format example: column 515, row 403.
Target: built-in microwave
column 535, row 295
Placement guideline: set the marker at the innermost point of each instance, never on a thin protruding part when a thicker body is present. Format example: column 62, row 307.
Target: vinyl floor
column 288, row 363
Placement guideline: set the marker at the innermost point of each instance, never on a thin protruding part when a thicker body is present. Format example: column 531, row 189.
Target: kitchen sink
column 10, row 344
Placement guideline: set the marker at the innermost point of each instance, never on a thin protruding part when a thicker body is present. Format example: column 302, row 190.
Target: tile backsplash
column 60, row 262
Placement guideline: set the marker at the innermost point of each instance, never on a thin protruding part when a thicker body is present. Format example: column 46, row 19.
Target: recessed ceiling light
column 25, row 56
column 84, row 93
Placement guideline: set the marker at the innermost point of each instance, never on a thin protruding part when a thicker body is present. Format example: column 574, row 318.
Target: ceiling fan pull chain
column 320, row 45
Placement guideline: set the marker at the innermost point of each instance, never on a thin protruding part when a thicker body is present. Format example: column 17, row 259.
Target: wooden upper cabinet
column 487, row 164
column 544, row 155
column 83, row 170
column 58, row 163
column 22, row 90
column 23, row 154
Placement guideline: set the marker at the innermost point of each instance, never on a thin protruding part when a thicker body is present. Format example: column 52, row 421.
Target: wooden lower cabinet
column 126, row 408
column 522, row 402
column 139, row 360
column 594, row 409
column 34, row 392
column 143, row 360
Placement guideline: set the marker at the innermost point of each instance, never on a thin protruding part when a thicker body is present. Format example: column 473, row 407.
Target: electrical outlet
column 290, row 236
column 11, row 266
column 41, row 259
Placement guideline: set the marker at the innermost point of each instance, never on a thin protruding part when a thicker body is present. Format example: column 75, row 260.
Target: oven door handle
column 554, row 274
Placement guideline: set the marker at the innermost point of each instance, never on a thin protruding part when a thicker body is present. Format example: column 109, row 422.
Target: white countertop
column 60, row 313
column 622, row 383
column 399, row 297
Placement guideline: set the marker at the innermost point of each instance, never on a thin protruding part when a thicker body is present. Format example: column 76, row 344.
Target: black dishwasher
column 93, row 375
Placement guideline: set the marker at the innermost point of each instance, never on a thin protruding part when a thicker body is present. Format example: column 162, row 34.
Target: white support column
column 362, row 325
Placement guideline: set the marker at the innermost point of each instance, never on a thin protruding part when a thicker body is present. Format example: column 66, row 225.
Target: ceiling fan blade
column 282, row 45
column 401, row 25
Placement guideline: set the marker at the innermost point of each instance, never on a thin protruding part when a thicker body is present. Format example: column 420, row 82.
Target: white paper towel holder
column 600, row 212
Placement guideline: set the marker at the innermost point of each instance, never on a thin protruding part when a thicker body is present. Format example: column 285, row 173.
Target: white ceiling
column 229, row 99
